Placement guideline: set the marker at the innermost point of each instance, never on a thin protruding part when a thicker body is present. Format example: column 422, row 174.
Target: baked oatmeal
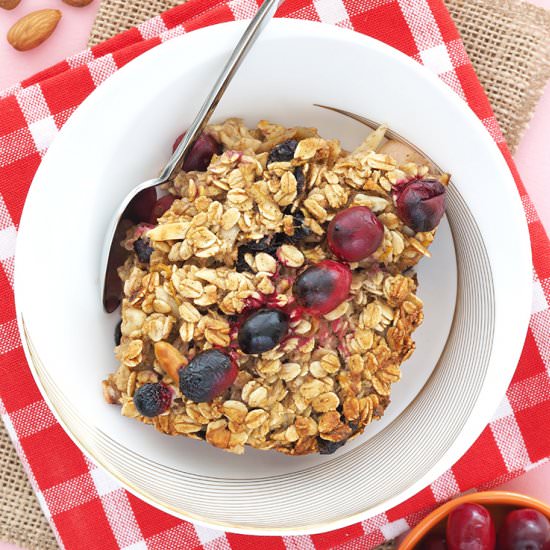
column 270, row 300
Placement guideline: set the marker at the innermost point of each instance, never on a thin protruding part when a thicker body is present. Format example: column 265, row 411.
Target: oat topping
column 275, row 289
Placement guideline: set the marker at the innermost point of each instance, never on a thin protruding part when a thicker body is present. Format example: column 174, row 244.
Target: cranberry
column 433, row 542
column 140, row 207
column 524, row 529
column 355, row 233
column 470, row 527
column 263, row 330
column 322, row 287
column 153, row 399
column 207, row 375
column 421, row 204
column 283, row 152
column 201, row 153
column 160, row 207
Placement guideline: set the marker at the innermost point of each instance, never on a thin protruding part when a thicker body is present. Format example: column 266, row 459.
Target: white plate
column 122, row 134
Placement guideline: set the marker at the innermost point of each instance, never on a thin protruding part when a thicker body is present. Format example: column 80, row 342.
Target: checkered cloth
column 87, row 509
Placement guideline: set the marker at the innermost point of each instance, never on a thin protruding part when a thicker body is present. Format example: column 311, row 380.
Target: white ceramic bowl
column 476, row 287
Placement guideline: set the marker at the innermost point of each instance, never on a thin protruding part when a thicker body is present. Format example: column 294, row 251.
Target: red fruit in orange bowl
column 524, row 529
column 470, row 527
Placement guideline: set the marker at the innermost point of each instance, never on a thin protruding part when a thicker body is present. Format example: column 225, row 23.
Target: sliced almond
column 170, row 359
column 169, row 231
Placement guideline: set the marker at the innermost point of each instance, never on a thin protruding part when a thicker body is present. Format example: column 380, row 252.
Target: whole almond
column 77, row 3
column 9, row 4
column 31, row 30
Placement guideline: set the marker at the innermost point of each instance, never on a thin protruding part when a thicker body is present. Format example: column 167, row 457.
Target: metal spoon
column 113, row 253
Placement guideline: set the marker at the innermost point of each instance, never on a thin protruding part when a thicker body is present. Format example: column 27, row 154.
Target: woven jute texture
column 509, row 45
column 508, row 42
column 21, row 520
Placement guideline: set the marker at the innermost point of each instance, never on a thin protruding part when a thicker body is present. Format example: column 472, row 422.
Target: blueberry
column 118, row 333
column 263, row 330
column 283, row 152
column 143, row 249
column 207, row 375
column 329, row 447
column 153, row 399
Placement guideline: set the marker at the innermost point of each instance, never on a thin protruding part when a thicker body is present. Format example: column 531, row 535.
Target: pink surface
column 535, row 483
column 69, row 37
column 532, row 158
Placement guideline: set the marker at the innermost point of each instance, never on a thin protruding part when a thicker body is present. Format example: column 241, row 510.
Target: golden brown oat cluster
column 235, row 239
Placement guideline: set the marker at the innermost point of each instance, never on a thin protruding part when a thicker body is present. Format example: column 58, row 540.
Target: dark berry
column 278, row 239
column 301, row 231
column 207, row 375
column 141, row 206
column 241, row 265
column 329, row 447
column 353, row 425
column 253, row 247
column 322, row 287
column 355, row 233
column 524, row 529
column 263, row 330
column 160, row 207
column 283, row 152
column 143, row 249
column 300, row 179
column 201, row 153
column 262, row 245
column 118, row 333
column 421, row 204
column 153, row 399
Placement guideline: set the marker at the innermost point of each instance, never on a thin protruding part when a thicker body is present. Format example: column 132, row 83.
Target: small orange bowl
column 499, row 503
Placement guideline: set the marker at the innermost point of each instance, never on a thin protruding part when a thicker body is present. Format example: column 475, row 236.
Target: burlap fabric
column 509, row 45
column 21, row 519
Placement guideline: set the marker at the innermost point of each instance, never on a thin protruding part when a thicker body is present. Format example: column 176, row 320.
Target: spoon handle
column 255, row 27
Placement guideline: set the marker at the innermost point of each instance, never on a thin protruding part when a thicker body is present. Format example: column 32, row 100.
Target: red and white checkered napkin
column 87, row 509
